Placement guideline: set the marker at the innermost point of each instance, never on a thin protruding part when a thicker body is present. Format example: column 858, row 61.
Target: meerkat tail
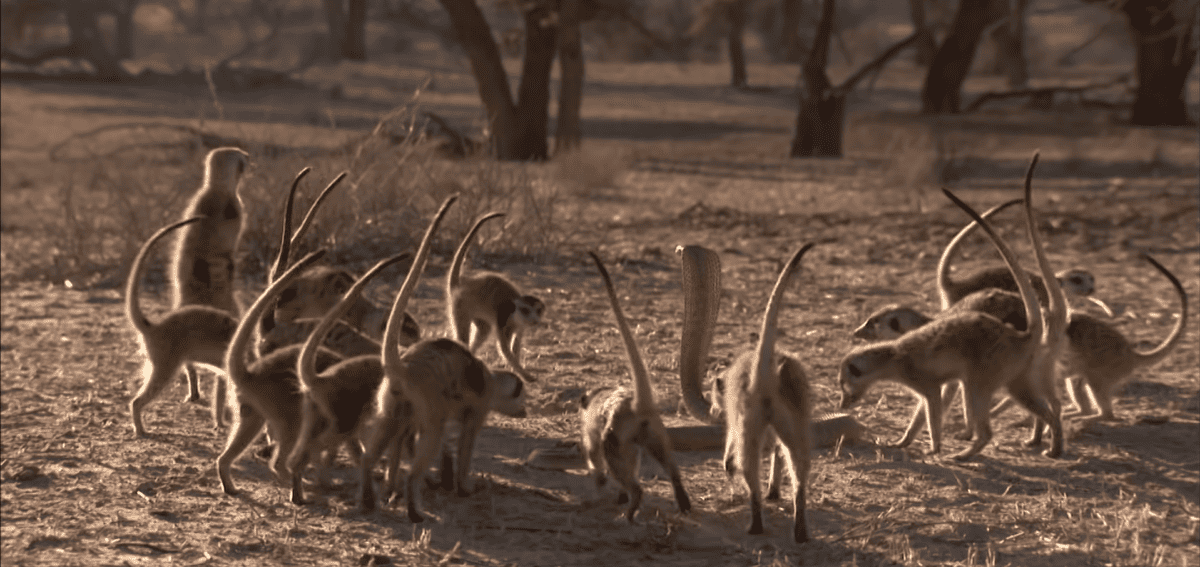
column 1056, row 314
column 133, row 304
column 460, row 255
column 312, row 209
column 765, row 353
column 1033, row 311
column 391, row 332
column 1163, row 349
column 943, row 268
column 643, row 395
column 306, row 363
column 235, row 356
column 285, row 244
column 701, row 304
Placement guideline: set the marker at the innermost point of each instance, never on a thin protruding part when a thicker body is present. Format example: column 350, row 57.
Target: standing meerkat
column 767, row 401
column 976, row 348
column 616, row 422
column 441, row 381
column 188, row 334
column 202, row 266
column 489, row 302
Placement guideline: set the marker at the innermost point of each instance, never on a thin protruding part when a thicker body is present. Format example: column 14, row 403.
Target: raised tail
column 943, row 269
column 1033, row 311
column 285, row 240
column 306, row 363
column 460, row 255
column 701, row 303
column 1161, row 351
column 391, row 332
column 765, row 353
column 1055, row 325
column 133, row 304
column 235, row 355
column 643, row 396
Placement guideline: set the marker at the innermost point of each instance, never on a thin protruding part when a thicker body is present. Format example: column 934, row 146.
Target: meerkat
column 701, row 271
column 616, row 422
column 976, row 348
column 203, row 264
column 1076, row 281
column 1096, row 360
column 188, row 334
column 489, row 302
column 267, row 391
column 767, row 401
column 439, row 381
column 1102, row 359
column 335, row 400
column 317, row 289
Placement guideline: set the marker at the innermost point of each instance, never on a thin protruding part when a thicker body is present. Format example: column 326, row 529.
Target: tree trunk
column 942, row 91
column 533, row 95
column 355, row 36
column 491, row 79
column 335, row 19
column 1164, row 60
column 85, row 36
column 926, row 44
column 736, row 12
column 196, row 24
column 789, row 38
column 123, row 13
column 570, row 92
column 822, row 109
column 1009, row 41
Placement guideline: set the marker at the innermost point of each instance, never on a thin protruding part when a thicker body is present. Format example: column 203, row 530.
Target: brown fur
column 336, row 399
column 976, row 348
column 767, row 401
column 203, row 269
column 188, row 334
column 489, row 302
column 616, row 422
column 267, row 391
column 439, row 381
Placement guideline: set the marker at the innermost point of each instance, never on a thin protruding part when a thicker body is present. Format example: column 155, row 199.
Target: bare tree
column 735, row 11
column 86, row 42
column 1164, row 35
column 926, row 43
column 347, row 20
column 822, row 112
column 570, row 92
column 1008, row 36
column 942, row 91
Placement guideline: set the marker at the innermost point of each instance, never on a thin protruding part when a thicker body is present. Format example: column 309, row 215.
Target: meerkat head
column 528, row 310
column 226, row 166
column 1077, row 282
column 861, row 368
column 312, row 294
column 508, row 394
column 890, row 322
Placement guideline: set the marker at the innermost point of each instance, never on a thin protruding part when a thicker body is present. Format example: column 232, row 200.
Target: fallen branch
column 1043, row 92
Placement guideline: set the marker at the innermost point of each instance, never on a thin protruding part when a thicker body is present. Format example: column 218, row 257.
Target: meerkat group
column 383, row 388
